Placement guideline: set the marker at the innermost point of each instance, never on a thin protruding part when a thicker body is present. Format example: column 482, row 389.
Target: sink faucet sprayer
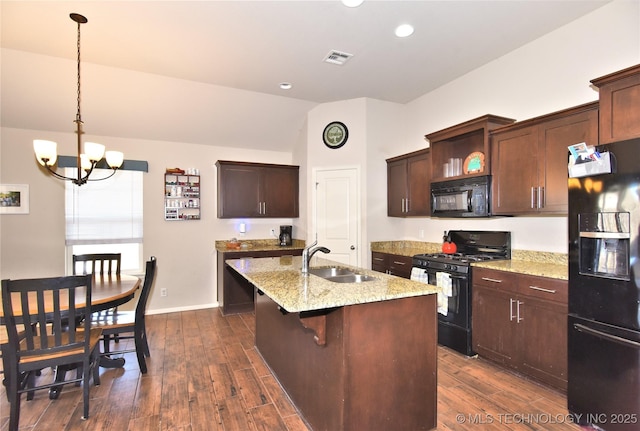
column 308, row 252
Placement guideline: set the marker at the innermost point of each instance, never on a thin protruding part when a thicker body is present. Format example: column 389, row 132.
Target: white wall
column 33, row 245
column 352, row 155
column 547, row 75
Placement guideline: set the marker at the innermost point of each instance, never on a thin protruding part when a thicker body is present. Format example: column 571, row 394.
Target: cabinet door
column 554, row 138
column 619, row 99
column 280, row 192
column 239, row 191
column 544, row 340
column 396, row 188
column 515, row 170
column 400, row 266
column 494, row 327
column 418, row 181
column 379, row 262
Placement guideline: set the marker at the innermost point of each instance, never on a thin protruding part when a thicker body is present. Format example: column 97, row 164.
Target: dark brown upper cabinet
column 619, row 102
column 462, row 140
column 408, row 179
column 257, row 190
column 530, row 158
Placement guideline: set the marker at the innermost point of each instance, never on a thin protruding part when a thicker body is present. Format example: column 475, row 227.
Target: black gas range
column 454, row 311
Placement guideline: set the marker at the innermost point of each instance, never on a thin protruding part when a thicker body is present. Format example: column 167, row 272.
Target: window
column 106, row 217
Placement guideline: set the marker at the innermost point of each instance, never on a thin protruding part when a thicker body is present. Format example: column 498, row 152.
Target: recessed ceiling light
column 404, row 30
column 286, row 85
column 352, row 3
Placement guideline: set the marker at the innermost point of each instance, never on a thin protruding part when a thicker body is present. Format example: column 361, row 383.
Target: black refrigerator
column 604, row 296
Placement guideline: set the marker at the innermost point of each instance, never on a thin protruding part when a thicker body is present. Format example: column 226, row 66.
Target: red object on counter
column 449, row 247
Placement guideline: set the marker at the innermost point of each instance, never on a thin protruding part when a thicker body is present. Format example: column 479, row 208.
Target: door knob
column 353, row 247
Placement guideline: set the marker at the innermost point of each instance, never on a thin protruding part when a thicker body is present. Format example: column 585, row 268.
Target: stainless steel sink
column 351, row 278
column 332, row 271
column 340, row 275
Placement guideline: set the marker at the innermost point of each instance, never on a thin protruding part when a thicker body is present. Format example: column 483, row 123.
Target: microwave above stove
column 461, row 198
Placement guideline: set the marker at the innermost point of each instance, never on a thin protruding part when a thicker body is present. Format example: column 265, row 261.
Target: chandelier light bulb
column 45, row 150
column 85, row 162
column 94, row 151
column 114, row 158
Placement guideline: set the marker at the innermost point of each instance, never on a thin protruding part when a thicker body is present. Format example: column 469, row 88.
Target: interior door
column 337, row 213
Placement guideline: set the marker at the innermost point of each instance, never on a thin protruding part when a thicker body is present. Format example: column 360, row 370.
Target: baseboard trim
column 179, row 309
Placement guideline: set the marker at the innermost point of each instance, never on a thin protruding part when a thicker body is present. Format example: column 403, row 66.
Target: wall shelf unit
column 181, row 196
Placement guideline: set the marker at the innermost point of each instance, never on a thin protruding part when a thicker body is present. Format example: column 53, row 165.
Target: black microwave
column 465, row 197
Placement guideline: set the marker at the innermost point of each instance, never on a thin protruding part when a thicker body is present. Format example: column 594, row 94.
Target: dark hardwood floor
column 205, row 374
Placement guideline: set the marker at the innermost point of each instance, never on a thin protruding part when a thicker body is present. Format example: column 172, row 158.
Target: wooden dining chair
column 97, row 263
column 53, row 333
column 124, row 322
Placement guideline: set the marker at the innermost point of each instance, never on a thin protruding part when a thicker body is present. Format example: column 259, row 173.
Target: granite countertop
column 537, row 263
column 281, row 279
column 540, row 264
column 259, row 245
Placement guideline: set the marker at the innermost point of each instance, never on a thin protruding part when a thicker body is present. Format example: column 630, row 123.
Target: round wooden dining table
column 108, row 291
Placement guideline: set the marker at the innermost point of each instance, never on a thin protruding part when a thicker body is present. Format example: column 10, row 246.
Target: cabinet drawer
column 501, row 280
column 544, row 288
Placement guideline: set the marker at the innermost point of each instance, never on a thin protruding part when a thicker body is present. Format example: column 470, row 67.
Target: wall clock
column 335, row 135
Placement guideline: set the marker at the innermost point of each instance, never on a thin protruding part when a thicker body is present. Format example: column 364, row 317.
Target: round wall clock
column 335, row 135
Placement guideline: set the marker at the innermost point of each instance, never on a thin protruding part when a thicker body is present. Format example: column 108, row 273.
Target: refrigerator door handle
column 605, row 336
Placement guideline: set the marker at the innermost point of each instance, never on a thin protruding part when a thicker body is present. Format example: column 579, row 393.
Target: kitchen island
column 351, row 356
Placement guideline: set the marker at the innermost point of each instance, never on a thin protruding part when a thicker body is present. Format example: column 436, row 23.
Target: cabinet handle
column 511, row 301
column 399, row 263
column 533, row 201
column 542, row 289
column 518, row 318
column 406, row 205
column 379, row 259
column 540, row 197
column 493, row 280
column 403, row 206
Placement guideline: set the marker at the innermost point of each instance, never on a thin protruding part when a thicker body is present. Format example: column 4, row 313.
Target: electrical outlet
column 163, row 292
column 421, row 233
column 273, row 233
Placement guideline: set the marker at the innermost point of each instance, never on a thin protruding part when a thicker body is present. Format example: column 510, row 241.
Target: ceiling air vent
column 337, row 57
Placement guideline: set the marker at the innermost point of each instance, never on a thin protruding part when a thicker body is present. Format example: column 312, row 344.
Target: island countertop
column 282, row 280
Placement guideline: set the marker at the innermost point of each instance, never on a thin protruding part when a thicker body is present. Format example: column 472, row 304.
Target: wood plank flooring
column 205, row 374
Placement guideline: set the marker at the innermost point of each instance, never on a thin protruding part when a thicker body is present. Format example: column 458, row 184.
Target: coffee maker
column 285, row 235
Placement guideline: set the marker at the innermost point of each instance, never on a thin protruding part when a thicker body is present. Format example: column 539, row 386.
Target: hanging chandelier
column 46, row 151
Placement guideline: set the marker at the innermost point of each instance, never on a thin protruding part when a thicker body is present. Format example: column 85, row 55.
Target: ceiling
column 256, row 45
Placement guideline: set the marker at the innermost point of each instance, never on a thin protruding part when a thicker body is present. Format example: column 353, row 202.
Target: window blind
column 104, row 212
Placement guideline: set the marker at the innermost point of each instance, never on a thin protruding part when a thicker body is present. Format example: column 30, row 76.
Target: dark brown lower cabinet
column 520, row 321
column 355, row 367
column 393, row 264
column 235, row 294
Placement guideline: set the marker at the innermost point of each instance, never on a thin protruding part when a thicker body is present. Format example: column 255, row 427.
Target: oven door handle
column 469, row 207
column 582, row 328
column 458, row 277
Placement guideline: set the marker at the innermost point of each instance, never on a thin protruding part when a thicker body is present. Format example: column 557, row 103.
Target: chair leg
column 106, row 340
column 14, row 402
column 140, row 343
column 95, row 359
column 85, row 388
column 143, row 331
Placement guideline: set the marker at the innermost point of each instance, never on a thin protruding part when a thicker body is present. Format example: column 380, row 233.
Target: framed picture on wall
column 14, row 198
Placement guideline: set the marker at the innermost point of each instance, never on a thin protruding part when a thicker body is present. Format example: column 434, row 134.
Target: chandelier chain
column 78, row 115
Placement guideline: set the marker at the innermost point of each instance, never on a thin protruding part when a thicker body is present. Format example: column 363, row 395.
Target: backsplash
column 410, row 248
